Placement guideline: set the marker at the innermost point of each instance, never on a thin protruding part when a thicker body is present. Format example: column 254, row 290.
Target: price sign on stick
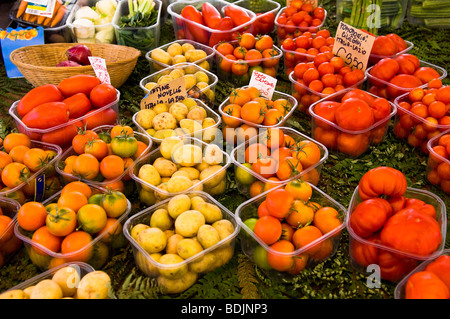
column 353, row 45
column 264, row 83
column 166, row 93
column 99, row 66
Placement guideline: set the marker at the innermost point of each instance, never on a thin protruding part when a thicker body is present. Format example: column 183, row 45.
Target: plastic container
column 181, row 25
column 107, row 34
column 306, row 97
column 416, row 130
column 60, row 163
column 9, row 243
column 276, row 95
column 375, row 58
column 399, row 292
column 46, row 172
column 141, row 38
column 394, row 259
column 436, row 16
column 158, row 192
column 81, row 268
column 188, row 68
column 104, row 115
column 393, row 91
column 264, row 65
column 205, row 134
column 57, row 34
column 281, row 28
column 250, row 242
column 434, row 161
column 102, row 248
column 149, row 266
column 310, row 174
column 393, row 12
column 156, row 66
column 264, row 10
column 330, row 134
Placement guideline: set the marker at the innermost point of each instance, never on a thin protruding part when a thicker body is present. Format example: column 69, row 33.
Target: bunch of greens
column 142, row 14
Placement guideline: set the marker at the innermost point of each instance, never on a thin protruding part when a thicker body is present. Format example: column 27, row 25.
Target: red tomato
column 38, row 95
column 364, row 254
column 95, row 118
column 441, row 267
column 62, row 136
column 191, row 14
column 354, row 114
column 102, row 94
column 382, row 180
column 426, row 285
column 78, row 105
column 393, row 267
column 369, row 217
column 78, row 83
column 268, row 229
column 237, row 14
column 279, row 202
column 47, row 115
column 412, row 232
column 211, row 16
column 381, row 109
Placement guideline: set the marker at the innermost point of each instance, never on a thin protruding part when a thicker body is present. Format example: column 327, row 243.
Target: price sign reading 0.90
column 353, row 45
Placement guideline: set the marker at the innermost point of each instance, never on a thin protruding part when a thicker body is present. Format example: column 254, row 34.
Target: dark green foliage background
column 240, row 278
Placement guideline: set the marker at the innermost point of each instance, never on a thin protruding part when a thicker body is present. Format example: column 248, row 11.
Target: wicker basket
column 37, row 63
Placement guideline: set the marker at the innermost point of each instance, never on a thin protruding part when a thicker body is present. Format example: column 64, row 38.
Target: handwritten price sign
column 167, row 93
column 264, row 83
column 99, row 66
column 353, row 45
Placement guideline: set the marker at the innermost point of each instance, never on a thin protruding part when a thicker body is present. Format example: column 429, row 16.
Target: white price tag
column 99, row 66
column 264, row 83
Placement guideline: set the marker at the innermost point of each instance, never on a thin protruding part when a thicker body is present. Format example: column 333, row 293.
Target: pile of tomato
column 392, row 77
column 351, row 121
column 439, row 161
column 246, row 54
column 293, row 226
column 102, row 155
column 52, row 113
column 305, row 47
column 277, row 157
column 64, row 230
column 9, row 243
column 246, row 105
column 388, row 220
column 20, row 159
column 209, row 17
column 388, row 45
column 326, row 74
column 423, row 114
column 299, row 17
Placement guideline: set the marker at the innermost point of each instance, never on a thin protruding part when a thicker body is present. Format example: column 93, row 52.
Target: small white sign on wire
column 99, row 66
column 264, row 83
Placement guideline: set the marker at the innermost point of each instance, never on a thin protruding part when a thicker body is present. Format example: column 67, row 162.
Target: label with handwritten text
column 264, row 83
column 353, row 45
column 167, row 93
column 100, row 70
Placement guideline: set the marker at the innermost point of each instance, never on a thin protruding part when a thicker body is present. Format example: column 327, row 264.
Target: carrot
column 58, row 16
column 26, row 16
column 33, row 18
column 46, row 21
column 21, row 10
column 40, row 19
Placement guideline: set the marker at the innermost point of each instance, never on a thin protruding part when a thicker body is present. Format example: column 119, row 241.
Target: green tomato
column 95, row 199
column 260, row 258
column 124, row 145
column 258, row 68
column 242, row 176
column 250, row 223
column 105, row 136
